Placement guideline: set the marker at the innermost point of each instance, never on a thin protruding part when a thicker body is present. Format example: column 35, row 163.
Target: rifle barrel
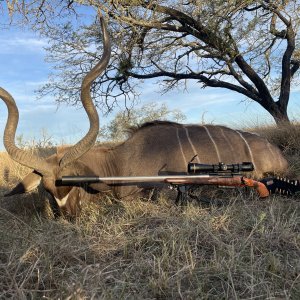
column 65, row 180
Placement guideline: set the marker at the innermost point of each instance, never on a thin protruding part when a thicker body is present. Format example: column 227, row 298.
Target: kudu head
column 50, row 170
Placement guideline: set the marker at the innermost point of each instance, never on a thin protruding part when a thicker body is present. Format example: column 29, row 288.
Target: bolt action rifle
column 225, row 175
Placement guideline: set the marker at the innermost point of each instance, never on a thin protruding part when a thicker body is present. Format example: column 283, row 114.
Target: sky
column 23, row 70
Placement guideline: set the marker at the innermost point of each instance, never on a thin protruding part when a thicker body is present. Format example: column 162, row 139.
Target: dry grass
column 287, row 137
column 245, row 249
column 10, row 171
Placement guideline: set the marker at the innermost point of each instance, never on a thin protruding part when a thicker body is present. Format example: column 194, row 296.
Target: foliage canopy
column 247, row 46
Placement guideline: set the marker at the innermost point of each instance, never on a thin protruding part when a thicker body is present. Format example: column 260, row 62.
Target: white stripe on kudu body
column 232, row 149
column 248, row 147
column 180, row 146
column 191, row 143
column 214, row 143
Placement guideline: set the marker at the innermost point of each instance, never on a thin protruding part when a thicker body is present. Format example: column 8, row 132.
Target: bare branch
column 295, row 67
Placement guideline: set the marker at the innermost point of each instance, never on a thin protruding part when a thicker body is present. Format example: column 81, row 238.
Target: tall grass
column 247, row 248
column 287, row 137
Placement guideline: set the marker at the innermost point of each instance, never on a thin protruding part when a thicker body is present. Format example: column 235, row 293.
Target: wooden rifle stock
column 235, row 181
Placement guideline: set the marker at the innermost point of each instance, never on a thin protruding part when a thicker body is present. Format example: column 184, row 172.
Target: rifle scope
column 196, row 168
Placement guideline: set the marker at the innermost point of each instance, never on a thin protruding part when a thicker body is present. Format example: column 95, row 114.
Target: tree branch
column 295, row 66
column 279, row 34
column 286, row 67
column 206, row 80
column 240, row 79
column 253, row 76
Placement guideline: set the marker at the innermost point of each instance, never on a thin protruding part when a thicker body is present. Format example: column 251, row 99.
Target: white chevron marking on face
column 180, row 146
column 214, row 143
column 191, row 143
column 62, row 202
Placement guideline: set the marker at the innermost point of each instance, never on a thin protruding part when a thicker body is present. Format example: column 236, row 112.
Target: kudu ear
column 28, row 184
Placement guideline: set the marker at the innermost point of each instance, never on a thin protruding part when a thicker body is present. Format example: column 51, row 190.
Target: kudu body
column 155, row 148
column 158, row 148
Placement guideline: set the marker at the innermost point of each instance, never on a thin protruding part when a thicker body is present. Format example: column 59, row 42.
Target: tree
column 247, row 46
column 117, row 130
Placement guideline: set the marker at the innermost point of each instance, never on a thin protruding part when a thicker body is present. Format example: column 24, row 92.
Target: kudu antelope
column 153, row 149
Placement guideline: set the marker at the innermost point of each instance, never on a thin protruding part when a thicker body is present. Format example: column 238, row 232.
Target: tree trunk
column 279, row 113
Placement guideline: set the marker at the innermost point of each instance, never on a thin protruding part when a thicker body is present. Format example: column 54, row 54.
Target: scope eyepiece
column 196, row 168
